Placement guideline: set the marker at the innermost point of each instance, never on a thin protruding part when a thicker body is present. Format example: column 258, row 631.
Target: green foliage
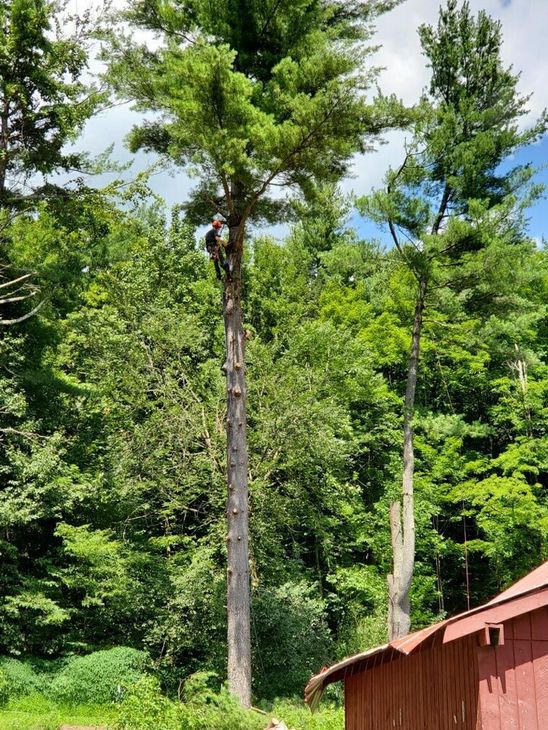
column 44, row 98
column 192, row 626
column 471, row 85
column 122, row 507
column 362, row 611
column 289, row 621
column 463, row 129
column 17, row 678
column 206, row 707
column 456, row 216
column 112, row 399
column 99, row 677
column 145, row 708
column 272, row 93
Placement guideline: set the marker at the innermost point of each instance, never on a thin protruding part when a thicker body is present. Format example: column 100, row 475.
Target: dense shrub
column 191, row 632
column 209, row 706
column 292, row 639
column 98, row 677
column 145, row 708
column 205, row 708
column 223, row 713
column 16, row 679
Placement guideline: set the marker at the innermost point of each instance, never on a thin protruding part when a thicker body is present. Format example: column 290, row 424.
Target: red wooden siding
column 458, row 686
column 436, row 689
column 513, row 678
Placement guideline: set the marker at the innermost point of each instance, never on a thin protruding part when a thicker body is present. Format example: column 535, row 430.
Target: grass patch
column 298, row 717
column 35, row 712
column 147, row 709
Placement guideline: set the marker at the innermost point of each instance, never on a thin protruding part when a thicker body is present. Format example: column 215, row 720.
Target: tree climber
column 215, row 245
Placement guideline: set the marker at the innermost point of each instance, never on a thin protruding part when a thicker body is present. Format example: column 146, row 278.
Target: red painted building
column 486, row 669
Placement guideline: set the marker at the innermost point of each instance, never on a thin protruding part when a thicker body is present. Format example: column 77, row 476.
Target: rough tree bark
column 402, row 512
column 238, row 589
column 4, row 148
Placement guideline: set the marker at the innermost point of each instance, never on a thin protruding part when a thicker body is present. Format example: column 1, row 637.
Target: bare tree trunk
column 4, row 146
column 238, row 590
column 402, row 516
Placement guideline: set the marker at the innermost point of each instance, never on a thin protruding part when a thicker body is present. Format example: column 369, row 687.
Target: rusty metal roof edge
column 410, row 643
column 316, row 684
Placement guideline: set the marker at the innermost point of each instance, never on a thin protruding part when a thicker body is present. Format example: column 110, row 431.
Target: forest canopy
column 114, row 328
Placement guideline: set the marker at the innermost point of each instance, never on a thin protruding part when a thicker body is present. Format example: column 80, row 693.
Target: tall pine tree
column 445, row 204
column 250, row 96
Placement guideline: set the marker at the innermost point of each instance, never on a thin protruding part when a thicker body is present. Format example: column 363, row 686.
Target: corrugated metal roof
column 528, row 594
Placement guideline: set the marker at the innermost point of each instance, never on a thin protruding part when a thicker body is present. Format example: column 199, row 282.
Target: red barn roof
column 528, row 594
column 535, row 579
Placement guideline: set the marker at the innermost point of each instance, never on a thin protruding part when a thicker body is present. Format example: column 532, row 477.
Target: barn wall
column 436, row 689
column 514, row 677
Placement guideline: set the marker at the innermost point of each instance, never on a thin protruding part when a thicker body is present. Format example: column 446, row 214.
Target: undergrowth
column 113, row 690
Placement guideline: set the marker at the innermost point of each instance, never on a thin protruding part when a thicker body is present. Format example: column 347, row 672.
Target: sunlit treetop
column 253, row 94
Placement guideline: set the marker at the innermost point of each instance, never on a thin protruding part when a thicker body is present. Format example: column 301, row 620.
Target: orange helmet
column 216, row 223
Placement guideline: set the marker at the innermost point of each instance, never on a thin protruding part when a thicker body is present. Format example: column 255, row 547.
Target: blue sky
column 538, row 214
column 537, row 227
